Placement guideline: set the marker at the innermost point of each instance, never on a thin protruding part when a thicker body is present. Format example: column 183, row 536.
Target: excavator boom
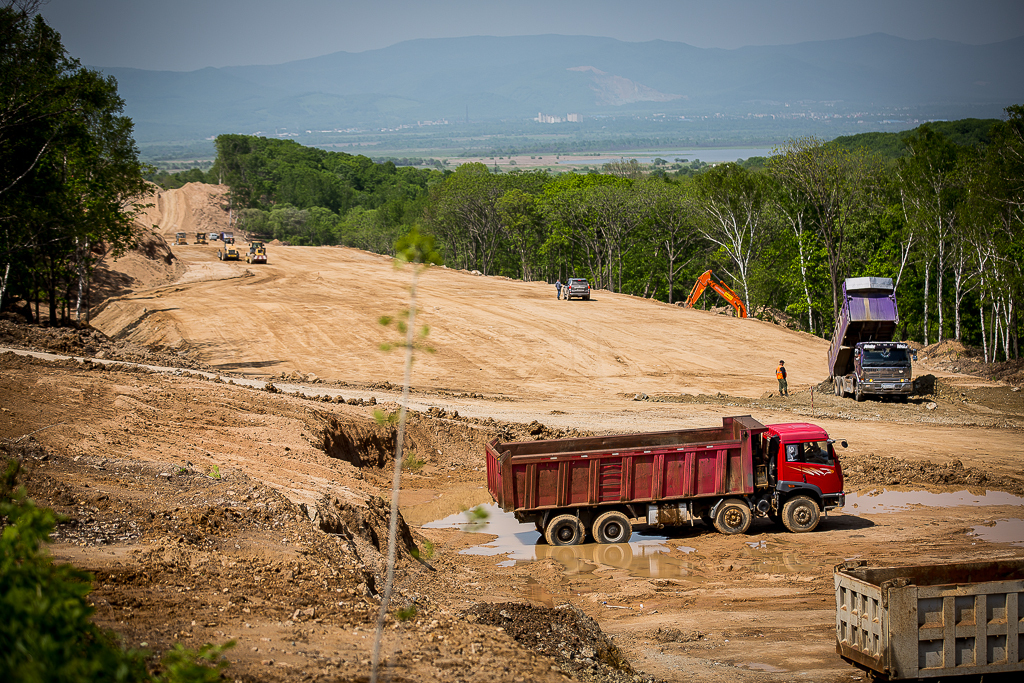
column 705, row 281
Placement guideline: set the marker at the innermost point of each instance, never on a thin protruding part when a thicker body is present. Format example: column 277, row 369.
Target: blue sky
column 183, row 35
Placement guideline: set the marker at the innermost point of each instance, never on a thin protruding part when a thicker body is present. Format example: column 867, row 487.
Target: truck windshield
column 814, row 452
column 876, row 358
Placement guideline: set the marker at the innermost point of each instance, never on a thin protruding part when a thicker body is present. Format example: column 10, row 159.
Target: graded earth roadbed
column 929, row 621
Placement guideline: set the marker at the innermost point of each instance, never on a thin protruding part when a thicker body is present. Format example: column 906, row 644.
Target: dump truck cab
column 801, row 461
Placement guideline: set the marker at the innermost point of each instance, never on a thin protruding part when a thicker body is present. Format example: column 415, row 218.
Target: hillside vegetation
column 935, row 209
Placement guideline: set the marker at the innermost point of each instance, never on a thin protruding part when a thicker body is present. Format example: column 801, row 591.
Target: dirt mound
column 150, row 263
column 565, row 633
column 873, row 470
column 89, row 342
column 195, row 207
column 364, row 522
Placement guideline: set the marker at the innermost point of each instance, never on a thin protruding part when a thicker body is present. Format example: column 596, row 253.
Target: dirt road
column 211, row 510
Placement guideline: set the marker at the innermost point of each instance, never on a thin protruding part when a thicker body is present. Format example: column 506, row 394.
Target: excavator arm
column 705, row 281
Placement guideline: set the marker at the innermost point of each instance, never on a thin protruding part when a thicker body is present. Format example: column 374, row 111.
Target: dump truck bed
column 530, row 476
column 929, row 621
column 868, row 313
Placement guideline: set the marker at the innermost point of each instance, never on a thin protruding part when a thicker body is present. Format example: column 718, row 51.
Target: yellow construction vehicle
column 227, row 253
column 200, row 238
column 179, row 238
column 257, row 253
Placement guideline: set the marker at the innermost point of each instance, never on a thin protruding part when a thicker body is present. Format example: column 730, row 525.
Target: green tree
column 829, row 185
column 70, row 178
column 740, row 221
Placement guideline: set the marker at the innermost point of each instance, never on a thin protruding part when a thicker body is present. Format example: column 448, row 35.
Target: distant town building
column 546, row 118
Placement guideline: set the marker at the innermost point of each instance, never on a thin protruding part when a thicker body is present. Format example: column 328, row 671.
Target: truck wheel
column 800, row 514
column 733, row 517
column 858, row 393
column 611, row 527
column 564, row 530
column 837, row 384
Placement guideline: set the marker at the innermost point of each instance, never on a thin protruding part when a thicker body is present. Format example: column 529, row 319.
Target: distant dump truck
column 257, row 253
column 724, row 476
column 931, row 621
column 863, row 360
column 179, row 239
column 227, row 238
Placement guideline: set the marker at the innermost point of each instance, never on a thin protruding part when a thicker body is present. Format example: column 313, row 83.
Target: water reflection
column 875, row 501
column 1001, row 531
column 647, row 555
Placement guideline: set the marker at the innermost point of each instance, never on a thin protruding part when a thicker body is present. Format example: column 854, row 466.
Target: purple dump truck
column 863, row 360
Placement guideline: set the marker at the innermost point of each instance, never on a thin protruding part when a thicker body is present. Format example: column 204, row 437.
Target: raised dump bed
column 931, row 621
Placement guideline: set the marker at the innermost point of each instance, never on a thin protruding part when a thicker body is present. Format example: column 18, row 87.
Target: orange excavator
column 705, row 281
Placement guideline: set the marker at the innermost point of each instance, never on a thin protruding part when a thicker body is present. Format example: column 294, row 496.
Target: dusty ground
column 213, row 510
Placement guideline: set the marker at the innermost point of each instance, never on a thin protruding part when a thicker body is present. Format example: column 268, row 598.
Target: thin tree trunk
column 927, row 282
column 981, row 318
column 3, row 285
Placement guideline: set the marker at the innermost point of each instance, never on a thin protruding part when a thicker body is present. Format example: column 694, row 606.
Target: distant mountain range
column 515, row 78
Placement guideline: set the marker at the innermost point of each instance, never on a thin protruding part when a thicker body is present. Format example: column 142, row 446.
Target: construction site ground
column 213, row 445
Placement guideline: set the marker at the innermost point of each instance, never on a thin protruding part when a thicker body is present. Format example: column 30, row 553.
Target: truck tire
column 858, row 393
column 800, row 514
column 733, row 517
column 611, row 527
column 837, row 385
column 564, row 530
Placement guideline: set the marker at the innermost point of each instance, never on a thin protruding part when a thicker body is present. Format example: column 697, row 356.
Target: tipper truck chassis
column 724, row 476
column 862, row 359
column 931, row 621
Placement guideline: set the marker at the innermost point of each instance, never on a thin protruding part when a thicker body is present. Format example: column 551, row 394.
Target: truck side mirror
column 914, row 355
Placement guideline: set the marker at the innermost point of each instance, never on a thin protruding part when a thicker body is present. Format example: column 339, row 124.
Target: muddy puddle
column 1001, row 531
column 882, row 501
column 650, row 553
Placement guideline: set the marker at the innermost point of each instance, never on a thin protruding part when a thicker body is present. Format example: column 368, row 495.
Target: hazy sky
column 182, row 35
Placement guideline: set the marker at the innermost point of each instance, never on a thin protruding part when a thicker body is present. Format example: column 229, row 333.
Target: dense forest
column 937, row 209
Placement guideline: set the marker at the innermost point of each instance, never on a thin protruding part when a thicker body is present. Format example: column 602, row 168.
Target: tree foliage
column 938, row 209
column 70, row 178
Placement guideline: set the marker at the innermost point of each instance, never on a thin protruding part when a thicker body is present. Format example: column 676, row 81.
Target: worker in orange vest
column 780, row 374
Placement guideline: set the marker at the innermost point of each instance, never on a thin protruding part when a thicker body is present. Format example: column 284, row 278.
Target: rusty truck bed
column 624, row 468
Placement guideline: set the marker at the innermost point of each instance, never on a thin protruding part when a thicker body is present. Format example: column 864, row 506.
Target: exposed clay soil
column 252, row 503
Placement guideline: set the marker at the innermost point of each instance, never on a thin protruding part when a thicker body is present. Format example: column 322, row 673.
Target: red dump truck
column 724, row 476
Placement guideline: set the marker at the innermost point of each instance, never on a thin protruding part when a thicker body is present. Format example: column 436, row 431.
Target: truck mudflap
column 930, row 621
